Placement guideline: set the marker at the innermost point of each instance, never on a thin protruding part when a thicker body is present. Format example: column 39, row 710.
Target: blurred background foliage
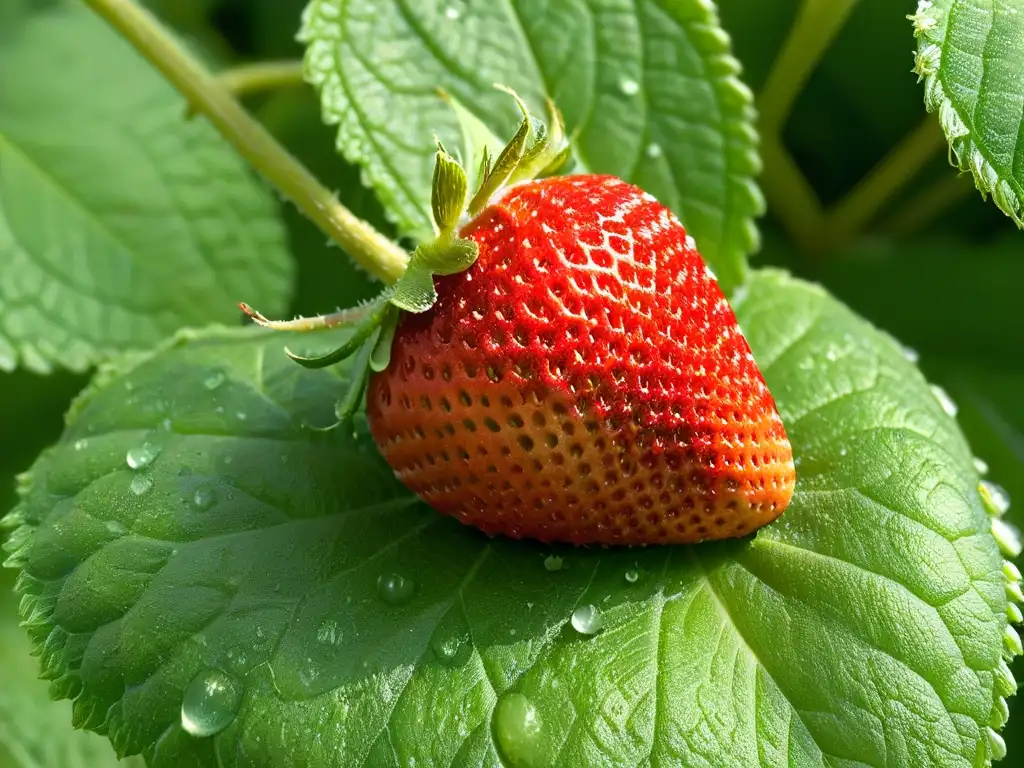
column 944, row 285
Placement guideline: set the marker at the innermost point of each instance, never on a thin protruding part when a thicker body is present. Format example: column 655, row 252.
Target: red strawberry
column 583, row 381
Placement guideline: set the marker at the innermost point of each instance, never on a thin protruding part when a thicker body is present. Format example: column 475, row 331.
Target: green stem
column 791, row 197
column 374, row 252
column 926, row 206
column 816, row 26
column 261, row 76
column 853, row 212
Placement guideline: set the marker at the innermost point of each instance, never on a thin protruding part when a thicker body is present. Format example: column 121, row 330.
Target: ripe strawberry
column 583, row 381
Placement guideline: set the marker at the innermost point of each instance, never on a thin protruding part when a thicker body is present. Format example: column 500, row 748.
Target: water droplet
column 654, row 151
column 81, row 444
column 909, row 353
column 517, row 730
column 140, row 484
column 452, row 13
column 629, row 87
column 203, row 499
column 142, row 456
column 213, row 381
column 395, row 589
column 1007, row 537
column 632, row 575
column 587, row 620
column 554, row 563
column 948, row 406
column 210, row 703
column 450, row 648
column 241, row 415
column 995, row 497
column 115, row 527
column 980, row 466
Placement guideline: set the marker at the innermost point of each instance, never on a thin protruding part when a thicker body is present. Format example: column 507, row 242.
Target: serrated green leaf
column 969, row 55
column 863, row 627
column 35, row 732
column 651, row 88
column 119, row 221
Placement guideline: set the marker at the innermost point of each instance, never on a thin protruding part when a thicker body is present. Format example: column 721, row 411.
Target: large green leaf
column 119, row 221
column 970, row 54
column 194, row 541
column 650, row 86
column 33, row 729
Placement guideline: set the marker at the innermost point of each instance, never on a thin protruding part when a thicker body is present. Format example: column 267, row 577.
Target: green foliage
column 200, row 539
column 969, row 56
column 266, row 549
column 650, row 88
column 119, row 221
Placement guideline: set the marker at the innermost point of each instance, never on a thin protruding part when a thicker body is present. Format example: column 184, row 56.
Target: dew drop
column 629, row 87
column 948, row 406
column 81, row 445
column 517, row 731
column 587, row 619
column 554, row 563
column 115, row 527
column 450, row 648
column 451, row 13
column 210, row 703
column 213, row 381
column 980, row 466
column 203, row 499
column 633, row 575
column 909, row 353
column 654, row 151
column 995, row 497
column 142, row 456
column 241, row 415
column 141, row 484
column 1007, row 537
column 395, row 589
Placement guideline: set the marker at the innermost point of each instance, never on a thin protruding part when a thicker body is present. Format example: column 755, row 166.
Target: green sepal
column 380, row 358
column 414, row 291
column 348, row 406
column 448, row 194
column 504, row 166
column 378, row 310
column 479, row 144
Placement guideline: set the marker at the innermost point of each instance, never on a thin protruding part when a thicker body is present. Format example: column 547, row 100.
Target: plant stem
column 261, row 76
column 791, row 196
column 925, row 207
column 816, row 25
column 886, row 179
column 374, row 252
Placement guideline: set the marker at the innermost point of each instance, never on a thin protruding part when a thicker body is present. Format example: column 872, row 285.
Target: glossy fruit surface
column 584, row 381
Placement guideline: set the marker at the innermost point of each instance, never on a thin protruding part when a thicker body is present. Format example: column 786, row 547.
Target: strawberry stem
column 208, row 96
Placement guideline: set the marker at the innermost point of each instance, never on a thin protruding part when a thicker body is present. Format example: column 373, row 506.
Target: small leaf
column 649, row 88
column 969, row 55
column 867, row 626
column 119, row 221
column 503, row 167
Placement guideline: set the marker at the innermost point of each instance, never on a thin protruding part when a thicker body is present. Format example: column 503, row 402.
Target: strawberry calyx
column 534, row 151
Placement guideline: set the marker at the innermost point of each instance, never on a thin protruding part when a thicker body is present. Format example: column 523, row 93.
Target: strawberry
column 560, row 364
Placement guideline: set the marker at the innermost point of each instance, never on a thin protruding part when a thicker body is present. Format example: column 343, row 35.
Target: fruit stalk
column 373, row 251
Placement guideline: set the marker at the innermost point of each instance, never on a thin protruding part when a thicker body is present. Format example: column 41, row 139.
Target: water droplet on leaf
column 910, row 354
column 632, row 575
column 395, row 589
column 213, row 381
column 587, row 620
column 654, row 151
column 203, row 499
column 554, row 563
column 948, row 406
column 629, row 87
column 115, row 527
column 995, row 497
column 140, row 484
column 452, row 13
column 142, row 456
column 81, row 444
column 210, row 703
column 517, row 731
column 980, row 466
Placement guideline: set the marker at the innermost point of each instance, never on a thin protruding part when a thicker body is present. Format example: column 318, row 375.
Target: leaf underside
column 863, row 627
column 969, row 56
column 651, row 88
column 120, row 222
